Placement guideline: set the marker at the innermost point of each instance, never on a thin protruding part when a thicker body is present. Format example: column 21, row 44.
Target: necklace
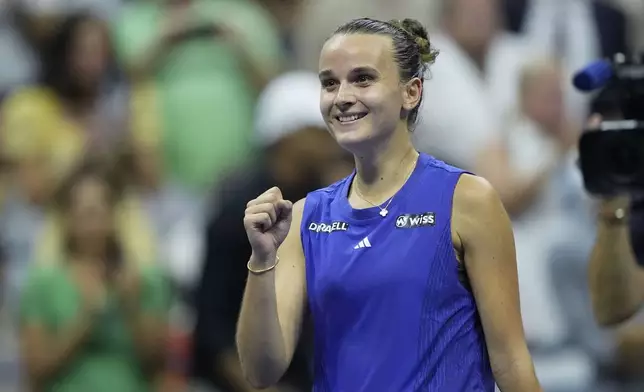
column 384, row 211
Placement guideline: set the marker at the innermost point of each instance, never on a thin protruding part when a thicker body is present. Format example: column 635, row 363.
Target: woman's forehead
column 342, row 53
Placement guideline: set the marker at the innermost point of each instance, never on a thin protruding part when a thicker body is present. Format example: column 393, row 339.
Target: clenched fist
column 267, row 221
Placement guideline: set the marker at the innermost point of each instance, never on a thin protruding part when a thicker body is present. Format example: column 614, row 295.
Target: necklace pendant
column 384, row 212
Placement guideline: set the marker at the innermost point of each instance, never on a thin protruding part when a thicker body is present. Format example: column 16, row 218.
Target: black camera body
column 612, row 158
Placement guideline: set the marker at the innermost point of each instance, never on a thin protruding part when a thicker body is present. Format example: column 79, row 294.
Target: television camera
column 612, row 158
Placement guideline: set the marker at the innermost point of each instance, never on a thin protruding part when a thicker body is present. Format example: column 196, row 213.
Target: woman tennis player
column 407, row 266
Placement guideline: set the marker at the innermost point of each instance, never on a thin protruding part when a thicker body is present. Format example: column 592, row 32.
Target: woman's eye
column 364, row 79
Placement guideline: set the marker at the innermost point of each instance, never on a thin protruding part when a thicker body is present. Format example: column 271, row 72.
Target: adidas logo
column 363, row 244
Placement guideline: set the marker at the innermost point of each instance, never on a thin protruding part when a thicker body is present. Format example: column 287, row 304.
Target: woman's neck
column 90, row 252
column 80, row 109
column 81, row 101
column 383, row 172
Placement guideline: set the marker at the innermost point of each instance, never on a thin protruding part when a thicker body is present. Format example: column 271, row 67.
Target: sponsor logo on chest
column 412, row 221
column 328, row 227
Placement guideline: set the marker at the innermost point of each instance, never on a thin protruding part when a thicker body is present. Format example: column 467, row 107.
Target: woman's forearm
column 45, row 356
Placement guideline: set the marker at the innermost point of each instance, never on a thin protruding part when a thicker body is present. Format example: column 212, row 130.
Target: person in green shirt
column 209, row 60
column 92, row 320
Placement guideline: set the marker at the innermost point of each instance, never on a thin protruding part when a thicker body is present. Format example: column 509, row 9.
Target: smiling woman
column 411, row 58
column 418, row 289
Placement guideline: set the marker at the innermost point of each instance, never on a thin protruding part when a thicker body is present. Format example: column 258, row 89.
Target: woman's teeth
column 351, row 117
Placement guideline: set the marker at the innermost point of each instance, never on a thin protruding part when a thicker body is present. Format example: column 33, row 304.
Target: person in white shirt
column 473, row 84
column 532, row 166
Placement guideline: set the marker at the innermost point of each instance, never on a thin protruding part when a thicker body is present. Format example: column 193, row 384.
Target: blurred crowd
column 135, row 131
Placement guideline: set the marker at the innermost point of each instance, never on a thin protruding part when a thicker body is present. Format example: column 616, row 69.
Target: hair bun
column 419, row 33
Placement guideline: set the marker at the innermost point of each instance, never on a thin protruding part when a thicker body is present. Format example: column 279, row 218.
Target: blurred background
column 197, row 106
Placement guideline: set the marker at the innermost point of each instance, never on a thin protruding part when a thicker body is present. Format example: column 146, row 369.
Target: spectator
column 285, row 13
column 26, row 27
column 72, row 110
column 580, row 30
column 19, row 64
column 473, row 84
column 23, row 215
column 575, row 32
column 634, row 10
column 173, row 211
column 522, row 159
column 94, row 319
column 70, row 115
column 176, row 217
column 532, row 166
column 209, row 60
column 299, row 156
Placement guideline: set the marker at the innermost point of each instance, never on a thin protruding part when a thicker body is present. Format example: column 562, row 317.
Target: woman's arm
column 481, row 230
column 516, row 191
column 146, row 300
column 143, row 59
column 616, row 281
column 254, row 39
column 272, row 311
column 44, row 352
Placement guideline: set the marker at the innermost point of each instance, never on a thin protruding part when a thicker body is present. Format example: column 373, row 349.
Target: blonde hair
column 133, row 229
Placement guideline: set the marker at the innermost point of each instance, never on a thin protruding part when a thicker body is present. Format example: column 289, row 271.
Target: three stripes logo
column 363, row 244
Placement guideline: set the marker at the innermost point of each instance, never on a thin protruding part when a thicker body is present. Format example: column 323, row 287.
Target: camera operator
column 616, row 274
column 612, row 166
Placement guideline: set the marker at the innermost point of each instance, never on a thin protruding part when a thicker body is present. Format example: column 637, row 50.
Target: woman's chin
column 353, row 137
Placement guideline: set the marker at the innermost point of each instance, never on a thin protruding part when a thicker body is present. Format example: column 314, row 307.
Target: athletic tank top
column 390, row 310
